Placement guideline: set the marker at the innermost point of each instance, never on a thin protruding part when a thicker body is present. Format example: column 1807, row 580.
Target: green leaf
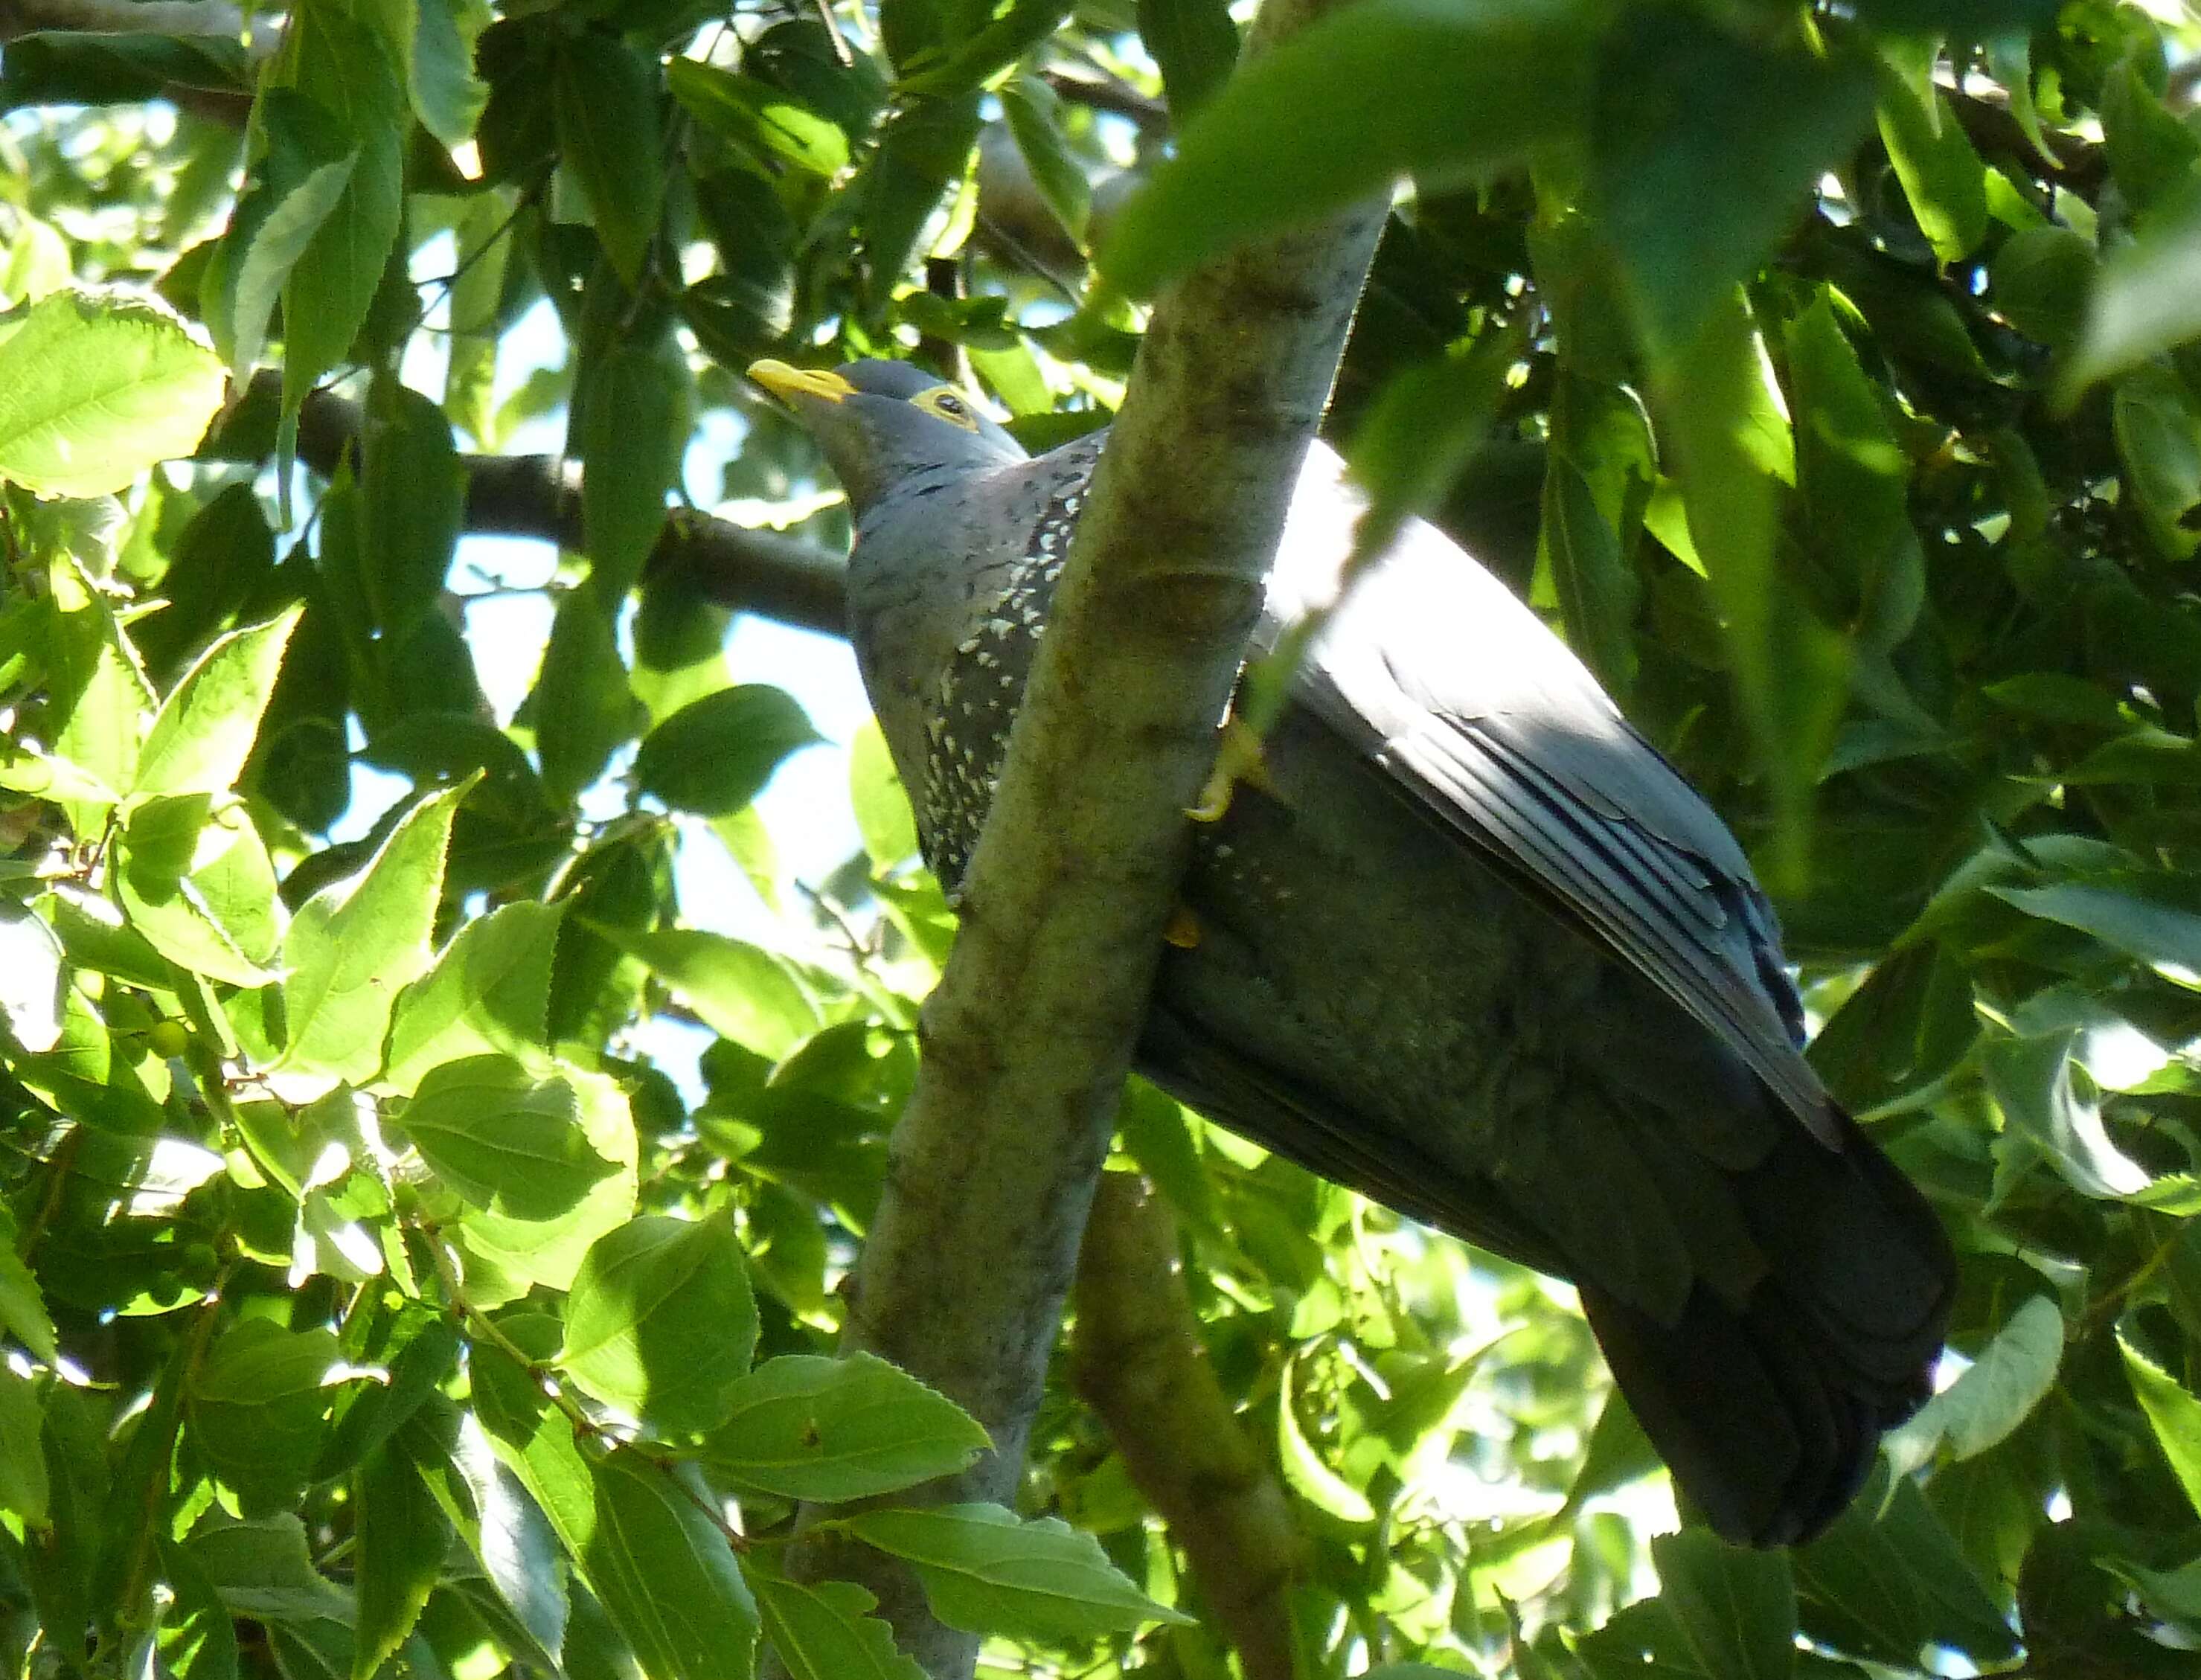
column 811, row 1427
column 1887, row 1578
column 22, row 1303
column 488, row 992
column 661, row 1322
column 1732, row 451
column 2041, row 281
column 2013, row 1374
column 534, row 1439
column 747, row 993
column 24, row 1490
column 204, row 729
column 506, row 1254
column 875, row 793
column 402, row 1537
column 2174, row 1414
column 826, row 1631
column 631, row 423
column 342, row 66
column 1941, row 174
column 664, row 1569
column 1854, row 482
column 197, row 1637
column 2151, row 153
column 1194, row 44
column 1704, row 145
column 1468, row 85
column 2120, row 912
column 447, row 96
column 1306, row 1471
column 263, row 1569
column 2145, row 302
column 2157, row 426
column 95, row 388
column 582, row 707
column 1033, row 115
column 470, row 380
column 97, row 695
column 769, row 123
column 605, row 94
column 258, row 1408
column 304, row 163
column 508, row 1536
column 502, row 1139
column 986, row 1572
column 1596, row 589
column 199, row 886
column 1736, row 1608
column 925, row 145
column 59, row 67
column 714, row 755
column 413, row 501
column 355, row 944
column 2031, row 1079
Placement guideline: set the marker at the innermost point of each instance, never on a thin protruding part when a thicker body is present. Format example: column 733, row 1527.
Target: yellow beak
column 788, row 383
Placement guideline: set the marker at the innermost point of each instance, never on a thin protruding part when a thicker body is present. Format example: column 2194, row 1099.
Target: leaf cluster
column 424, row 1210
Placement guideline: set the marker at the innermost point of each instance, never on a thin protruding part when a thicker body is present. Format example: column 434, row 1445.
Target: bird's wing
column 1436, row 672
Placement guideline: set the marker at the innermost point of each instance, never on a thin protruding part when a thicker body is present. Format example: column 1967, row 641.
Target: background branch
column 539, row 496
column 1138, row 1361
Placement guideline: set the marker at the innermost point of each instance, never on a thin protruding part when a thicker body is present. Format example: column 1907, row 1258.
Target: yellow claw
column 1182, row 930
column 1237, row 758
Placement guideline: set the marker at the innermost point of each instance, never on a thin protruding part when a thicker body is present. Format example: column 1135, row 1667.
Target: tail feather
column 1769, row 1411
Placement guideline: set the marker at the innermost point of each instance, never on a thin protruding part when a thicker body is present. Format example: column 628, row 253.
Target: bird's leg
column 1237, row 758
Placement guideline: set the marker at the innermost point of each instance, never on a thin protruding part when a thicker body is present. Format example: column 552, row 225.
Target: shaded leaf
column 605, row 94
column 714, row 755
column 666, row 1572
column 986, row 1572
column 826, row 1631
column 2172, row 1411
column 1466, row 86
column 403, row 1536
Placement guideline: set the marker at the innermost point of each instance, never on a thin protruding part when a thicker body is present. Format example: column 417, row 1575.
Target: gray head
column 878, row 422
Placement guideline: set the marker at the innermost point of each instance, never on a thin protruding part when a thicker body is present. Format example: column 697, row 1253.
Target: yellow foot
column 1182, row 930
column 1237, row 758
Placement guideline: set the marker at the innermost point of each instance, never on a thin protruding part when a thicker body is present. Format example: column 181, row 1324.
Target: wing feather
column 1485, row 721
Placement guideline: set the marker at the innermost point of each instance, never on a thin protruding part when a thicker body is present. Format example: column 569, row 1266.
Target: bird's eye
column 944, row 402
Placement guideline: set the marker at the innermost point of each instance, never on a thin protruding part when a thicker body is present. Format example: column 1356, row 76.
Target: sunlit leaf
column 838, row 1429
column 96, row 387
column 661, row 1322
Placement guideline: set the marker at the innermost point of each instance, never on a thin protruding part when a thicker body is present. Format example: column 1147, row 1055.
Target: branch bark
column 1026, row 1040
column 1139, row 1363
column 539, row 496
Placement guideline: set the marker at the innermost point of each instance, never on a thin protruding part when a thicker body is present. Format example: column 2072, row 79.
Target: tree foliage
column 390, row 1283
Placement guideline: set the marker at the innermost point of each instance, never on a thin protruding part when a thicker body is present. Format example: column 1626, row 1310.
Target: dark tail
column 1769, row 1413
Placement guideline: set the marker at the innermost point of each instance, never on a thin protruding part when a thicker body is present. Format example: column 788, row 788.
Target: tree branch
column 1139, row 1363
column 539, row 496
column 1026, row 1040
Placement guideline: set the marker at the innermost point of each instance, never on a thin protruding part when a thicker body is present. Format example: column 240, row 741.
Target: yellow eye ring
column 949, row 404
